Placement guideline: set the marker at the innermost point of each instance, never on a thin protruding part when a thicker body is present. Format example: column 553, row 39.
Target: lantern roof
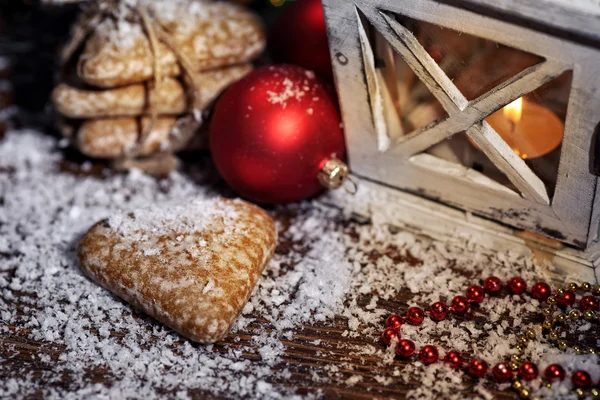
column 575, row 20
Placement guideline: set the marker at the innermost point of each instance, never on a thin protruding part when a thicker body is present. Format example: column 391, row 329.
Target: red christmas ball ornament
column 475, row 294
column 436, row 52
column 492, row 285
column 477, row 368
column 554, row 372
column 541, row 291
column 517, row 285
column 567, row 299
column 393, row 321
column 405, row 348
column 528, row 371
column 589, row 303
column 454, row 359
column 460, row 304
column 438, row 311
column 428, row 354
column 502, row 373
column 388, row 335
column 415, row 315
column 300, row 37
column 581, row 379
column 276, row 136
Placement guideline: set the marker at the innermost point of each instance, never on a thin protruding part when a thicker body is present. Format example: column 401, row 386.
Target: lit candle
column 528, row 128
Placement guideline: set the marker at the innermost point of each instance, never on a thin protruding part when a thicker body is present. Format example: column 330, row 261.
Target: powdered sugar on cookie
column 175, row 219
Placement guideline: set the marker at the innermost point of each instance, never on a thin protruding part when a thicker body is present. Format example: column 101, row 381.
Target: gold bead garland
column 549, row 324
column 552, row 321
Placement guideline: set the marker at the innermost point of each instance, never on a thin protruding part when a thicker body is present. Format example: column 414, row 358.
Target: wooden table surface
column 303, row 358
column 20, row 355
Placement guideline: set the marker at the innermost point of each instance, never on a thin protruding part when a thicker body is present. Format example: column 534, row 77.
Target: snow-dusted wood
column 567, row 215
column 438, row 221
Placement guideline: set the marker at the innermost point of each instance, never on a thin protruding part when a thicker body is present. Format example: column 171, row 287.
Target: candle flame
column 514, row 110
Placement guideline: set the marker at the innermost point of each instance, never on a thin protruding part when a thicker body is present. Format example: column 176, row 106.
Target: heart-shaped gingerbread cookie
column 191, row 266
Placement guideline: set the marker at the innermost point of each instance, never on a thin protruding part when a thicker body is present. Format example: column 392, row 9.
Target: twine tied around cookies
column 98, row 11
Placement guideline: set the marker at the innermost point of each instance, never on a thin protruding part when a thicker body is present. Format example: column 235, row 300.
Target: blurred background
column 31, row 33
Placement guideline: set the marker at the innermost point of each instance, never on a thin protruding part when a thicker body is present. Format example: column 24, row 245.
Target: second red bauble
column 272, row 132
column 300, row 37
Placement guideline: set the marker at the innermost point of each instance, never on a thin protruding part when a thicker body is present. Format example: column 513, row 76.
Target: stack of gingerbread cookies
column 139, row 74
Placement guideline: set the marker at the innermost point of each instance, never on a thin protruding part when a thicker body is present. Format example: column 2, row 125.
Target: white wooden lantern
column 420, row 84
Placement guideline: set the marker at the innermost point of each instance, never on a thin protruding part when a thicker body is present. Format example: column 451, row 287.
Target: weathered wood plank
column 496, row 30
column 567, row 17
column 574, row 196
column 441, row 166
column 467, row 195
column 508, row 162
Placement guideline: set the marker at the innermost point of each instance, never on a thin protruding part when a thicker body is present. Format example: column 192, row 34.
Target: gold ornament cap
column 335, row 174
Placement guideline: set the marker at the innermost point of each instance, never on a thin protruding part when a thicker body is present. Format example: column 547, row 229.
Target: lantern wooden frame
column 567, row 39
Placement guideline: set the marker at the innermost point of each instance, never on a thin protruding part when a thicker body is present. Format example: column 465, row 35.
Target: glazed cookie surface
column 191, row 266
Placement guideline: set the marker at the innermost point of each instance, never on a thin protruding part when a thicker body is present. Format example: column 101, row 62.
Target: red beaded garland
column 454, row 359
column 554, row 372
column 581, row 379
column 528, row 371
column 405, row 348
column 393, row 321
column 475, row 294
column 502, row 372
column 428, row 354
column 541, row 291
column 589, row 303
column 415, row 315
column 492, row 285
column 388, row 335
column 460, row 304
column 517, row 285
column 477, row 368
column 438, row 311
column 567, row 299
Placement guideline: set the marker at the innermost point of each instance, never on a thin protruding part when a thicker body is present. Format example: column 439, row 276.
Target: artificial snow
column 329, row 273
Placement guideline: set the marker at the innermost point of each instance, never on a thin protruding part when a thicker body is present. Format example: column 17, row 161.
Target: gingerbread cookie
column 210, row 34
column 117, row 137
column 191, row 266
column 133, row 100
column 130, row 100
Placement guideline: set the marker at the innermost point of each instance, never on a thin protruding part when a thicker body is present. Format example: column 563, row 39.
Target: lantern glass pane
column 532, row 125
column 408, row 104
column 536, row 137
column 474, row 65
